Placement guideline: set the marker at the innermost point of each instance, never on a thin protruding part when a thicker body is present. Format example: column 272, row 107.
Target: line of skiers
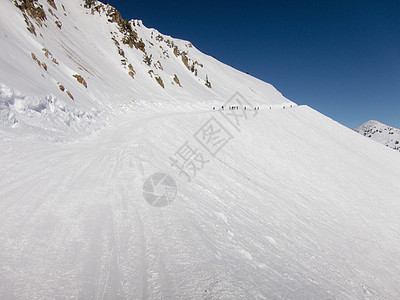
column 245, row 107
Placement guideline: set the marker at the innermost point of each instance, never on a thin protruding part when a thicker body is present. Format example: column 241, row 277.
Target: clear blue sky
column 340, row 57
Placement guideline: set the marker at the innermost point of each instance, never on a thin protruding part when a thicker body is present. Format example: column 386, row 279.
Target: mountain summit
column 133, row 166
column 380, row 133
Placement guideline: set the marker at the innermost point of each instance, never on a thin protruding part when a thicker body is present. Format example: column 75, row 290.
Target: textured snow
column 293, row 206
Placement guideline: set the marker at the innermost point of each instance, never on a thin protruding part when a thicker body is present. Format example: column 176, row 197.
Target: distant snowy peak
column 380, row 133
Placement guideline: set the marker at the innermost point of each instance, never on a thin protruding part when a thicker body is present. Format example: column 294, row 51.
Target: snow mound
column 49, row 118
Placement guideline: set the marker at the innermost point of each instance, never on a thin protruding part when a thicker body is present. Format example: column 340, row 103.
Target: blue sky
column 340, row 57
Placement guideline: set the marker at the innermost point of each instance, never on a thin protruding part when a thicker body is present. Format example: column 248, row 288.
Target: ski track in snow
column 74, row 223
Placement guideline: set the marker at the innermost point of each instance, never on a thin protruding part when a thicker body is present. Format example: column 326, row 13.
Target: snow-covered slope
column 275, row 203
column 118, row 62
column 380, row 133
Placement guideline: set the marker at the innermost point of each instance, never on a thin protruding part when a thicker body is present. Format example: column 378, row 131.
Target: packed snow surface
column 137, row 191
column 294, row 206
